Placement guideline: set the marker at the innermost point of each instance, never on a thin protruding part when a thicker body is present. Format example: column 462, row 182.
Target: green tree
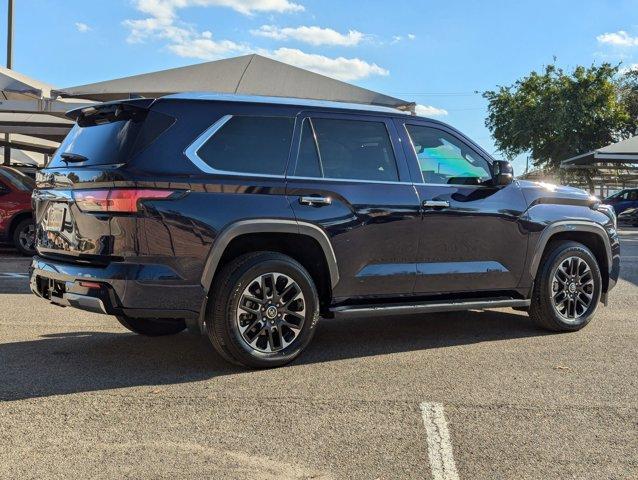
column 628, row 92
column 556, row 115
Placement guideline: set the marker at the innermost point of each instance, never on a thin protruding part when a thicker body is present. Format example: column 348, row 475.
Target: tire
column 152, row 327
column 231, row 328
column 24, row 237
column 572, row 314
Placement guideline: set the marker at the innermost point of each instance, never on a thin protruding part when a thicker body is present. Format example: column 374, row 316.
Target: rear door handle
column 436, row 203
column 315, row 201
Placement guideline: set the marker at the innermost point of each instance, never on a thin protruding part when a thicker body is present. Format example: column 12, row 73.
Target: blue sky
column 432, row 52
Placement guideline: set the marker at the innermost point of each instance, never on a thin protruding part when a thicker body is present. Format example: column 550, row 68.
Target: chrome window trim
column 349, row 180
column 193, row 148
column 450, row 185
column 192, row 152
column 316, row 142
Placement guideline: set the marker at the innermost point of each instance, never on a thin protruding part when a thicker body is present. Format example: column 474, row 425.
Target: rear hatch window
column 110, row 134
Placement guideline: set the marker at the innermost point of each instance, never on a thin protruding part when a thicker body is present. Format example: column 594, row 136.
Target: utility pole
column 7, row 148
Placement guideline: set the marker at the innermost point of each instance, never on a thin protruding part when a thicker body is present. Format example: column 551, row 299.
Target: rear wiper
column 73, row 158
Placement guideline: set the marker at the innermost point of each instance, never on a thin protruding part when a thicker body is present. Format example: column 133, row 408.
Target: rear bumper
column 132, row 290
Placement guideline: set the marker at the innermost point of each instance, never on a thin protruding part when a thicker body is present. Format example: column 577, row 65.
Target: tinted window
column 19, row 180
column 618, row 195
column 348, row 149
column 250, row 145
column 109, row 141
column 445, row 159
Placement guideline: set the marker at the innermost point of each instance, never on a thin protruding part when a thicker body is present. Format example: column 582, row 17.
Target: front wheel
column 152, row 327
column 567, row 288
column 24, row 237
column 264, row 310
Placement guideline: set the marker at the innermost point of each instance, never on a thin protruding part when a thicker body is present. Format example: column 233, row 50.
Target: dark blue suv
column 625, row 204
column 249, row 219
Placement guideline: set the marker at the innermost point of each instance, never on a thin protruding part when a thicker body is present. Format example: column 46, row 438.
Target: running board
column 425, row 307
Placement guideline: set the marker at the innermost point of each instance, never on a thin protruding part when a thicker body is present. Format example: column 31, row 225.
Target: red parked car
column 16, row 219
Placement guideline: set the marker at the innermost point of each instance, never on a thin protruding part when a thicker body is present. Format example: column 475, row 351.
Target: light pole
column 7, row 148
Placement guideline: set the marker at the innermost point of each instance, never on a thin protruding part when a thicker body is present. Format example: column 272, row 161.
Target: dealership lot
column 80, row 396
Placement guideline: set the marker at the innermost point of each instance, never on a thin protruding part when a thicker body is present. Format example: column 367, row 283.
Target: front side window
column 258, row 145
column 346, row 149
column 444, row 159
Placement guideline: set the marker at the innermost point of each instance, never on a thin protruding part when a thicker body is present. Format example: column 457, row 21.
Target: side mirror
column 502, row 173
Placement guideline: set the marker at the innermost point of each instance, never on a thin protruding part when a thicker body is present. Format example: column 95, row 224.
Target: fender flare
column 244, row 227
column 569, row 226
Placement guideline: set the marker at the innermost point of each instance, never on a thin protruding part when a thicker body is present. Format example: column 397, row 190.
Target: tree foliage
column 628, row 92
column 556, row 115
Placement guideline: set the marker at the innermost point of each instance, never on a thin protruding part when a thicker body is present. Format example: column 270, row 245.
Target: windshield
column 18, row 179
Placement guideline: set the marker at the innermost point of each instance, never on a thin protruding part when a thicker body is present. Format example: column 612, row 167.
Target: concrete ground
column 80, row 397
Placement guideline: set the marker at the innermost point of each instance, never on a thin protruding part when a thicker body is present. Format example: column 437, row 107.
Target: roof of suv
column 302, row 102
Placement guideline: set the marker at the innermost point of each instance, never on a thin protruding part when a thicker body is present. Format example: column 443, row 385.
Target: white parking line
column 13, row 275
column 439, row 444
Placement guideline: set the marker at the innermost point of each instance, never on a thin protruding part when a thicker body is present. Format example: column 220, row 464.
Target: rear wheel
column 567, row 288
column 264, row 310
column 152, row 327
column 24, row 236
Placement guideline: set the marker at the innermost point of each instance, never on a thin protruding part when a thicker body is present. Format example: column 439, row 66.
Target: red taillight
column 117, row 200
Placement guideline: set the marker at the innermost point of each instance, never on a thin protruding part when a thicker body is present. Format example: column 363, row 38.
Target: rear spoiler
column 110, row 111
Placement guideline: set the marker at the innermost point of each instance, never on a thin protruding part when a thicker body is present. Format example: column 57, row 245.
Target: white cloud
column 167, row 8
column 346, row 69
column 618, row 39
column 82, row 27
column 312, row 35
column 184, row 40
column 207, row 49
column 163, row 21
column 430, row 111
column 399, row 38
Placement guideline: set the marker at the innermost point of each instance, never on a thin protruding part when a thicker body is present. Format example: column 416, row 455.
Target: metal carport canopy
column 616, row 155
column 246, row 75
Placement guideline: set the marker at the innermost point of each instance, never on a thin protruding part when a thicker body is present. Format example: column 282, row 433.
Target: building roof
column 245, row 75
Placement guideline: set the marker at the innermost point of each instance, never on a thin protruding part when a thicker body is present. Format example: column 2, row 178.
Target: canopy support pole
column 7, row 148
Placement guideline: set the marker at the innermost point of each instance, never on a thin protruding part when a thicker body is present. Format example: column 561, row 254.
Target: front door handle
column 436, row 203
column 315, row 201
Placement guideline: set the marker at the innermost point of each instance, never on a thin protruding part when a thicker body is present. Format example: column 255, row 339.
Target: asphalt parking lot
column 475, row 395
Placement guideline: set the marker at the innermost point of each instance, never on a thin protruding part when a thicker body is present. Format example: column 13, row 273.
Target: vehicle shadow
column 64, row 363
column 338, row 339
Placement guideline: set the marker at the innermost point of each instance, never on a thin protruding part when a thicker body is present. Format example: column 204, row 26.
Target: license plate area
column 50, row 288
column 54, row 218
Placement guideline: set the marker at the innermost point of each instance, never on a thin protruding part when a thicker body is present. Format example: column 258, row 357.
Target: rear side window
column 245, row 144
column 346, row 149
column 109, row 140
